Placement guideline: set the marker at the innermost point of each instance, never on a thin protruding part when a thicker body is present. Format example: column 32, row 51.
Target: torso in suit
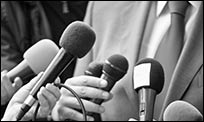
column 120, row 29
column 187, row 79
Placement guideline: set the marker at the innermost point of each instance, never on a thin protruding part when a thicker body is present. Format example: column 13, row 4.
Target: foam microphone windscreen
column 77, row 39
column 181, row 111
column 155, row 75
column 40, row 55
column 36, row 60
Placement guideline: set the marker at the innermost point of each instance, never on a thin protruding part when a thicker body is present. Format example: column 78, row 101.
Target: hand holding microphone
column 77, row 39
column 114, row 69
column 148, row 80
column 47, row 97
column 181, row 111
column 94, row 88
column 36, row 59
column 87, row 87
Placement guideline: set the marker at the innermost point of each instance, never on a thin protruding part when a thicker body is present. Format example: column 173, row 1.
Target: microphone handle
column 146, row 103
column 55, row 68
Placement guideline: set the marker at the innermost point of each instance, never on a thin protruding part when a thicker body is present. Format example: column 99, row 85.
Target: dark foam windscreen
column 77, row 39
column 156, row 74
column 94, row 69
column 116, row 66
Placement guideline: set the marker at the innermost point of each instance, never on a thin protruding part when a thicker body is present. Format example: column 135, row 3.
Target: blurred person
column 138, row 29
column 24, row 23
column 47, row 98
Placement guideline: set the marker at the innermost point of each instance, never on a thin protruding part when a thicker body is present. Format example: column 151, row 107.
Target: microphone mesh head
column 156, row 74
column 77, row 39
column 181, row 111
column 40, row 55
column 116, row 66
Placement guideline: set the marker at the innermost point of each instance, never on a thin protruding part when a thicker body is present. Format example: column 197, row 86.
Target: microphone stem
column 146, row 101
column 55, row 68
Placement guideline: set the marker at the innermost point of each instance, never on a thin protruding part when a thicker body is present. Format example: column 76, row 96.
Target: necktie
column 170, row 48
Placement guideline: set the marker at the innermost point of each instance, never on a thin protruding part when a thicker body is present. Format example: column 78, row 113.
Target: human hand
column 85, row 87
column 8, row 88
column 47, row 97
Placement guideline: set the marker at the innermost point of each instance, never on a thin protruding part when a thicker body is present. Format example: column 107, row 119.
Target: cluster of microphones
column 76, row 41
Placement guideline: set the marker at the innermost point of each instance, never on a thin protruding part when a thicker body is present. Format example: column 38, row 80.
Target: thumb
column 17, row 83
column 4, row 72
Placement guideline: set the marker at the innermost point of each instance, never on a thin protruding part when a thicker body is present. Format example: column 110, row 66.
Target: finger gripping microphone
column 148, row 80
column 94, row 69
column 36, row 60
column 181, row 111
column 76, row 40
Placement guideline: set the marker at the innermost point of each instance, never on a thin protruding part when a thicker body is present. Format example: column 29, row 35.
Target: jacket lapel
column 190, row 61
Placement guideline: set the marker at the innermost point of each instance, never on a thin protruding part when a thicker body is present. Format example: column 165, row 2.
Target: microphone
column 76, row 40
column 148, row 80
column 181, row 111
column 36, row 60
column 94, row 69
column 114, row 68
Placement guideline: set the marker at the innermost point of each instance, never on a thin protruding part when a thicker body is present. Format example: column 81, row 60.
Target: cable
column 36, row 111
column 78, row 98
column 74, row 93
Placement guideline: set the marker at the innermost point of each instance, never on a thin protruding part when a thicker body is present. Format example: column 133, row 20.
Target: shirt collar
column 161, row 5
column 195, row 4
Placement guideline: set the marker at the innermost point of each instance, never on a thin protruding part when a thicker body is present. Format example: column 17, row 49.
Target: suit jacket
column 187, row 79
